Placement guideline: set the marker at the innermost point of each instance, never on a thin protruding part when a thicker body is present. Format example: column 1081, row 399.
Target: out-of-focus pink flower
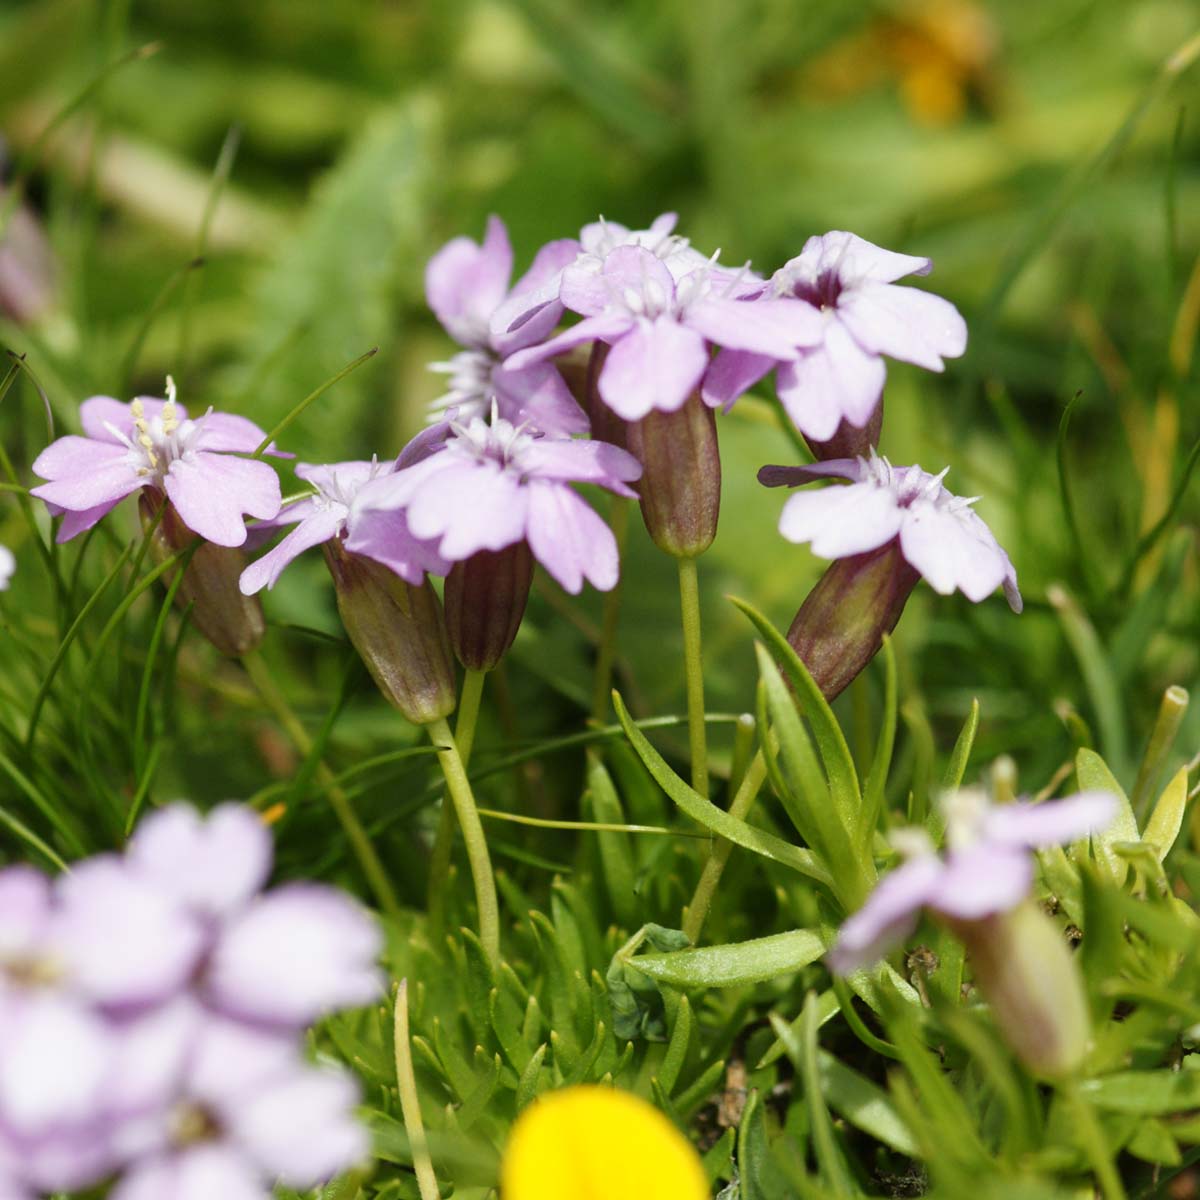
column 988, row 868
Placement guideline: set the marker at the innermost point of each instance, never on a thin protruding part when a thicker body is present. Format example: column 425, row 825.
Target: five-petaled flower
column 836, row 372
column 338, row 509
column 492, row 485
column 939, row 534
column 988, row 868
column 153, row 443
column 659, row 328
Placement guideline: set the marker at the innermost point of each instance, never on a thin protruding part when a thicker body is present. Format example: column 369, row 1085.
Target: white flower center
column 500, row 442
column 471, row 389
column 910, row 485
column 159, row 441
column 965, row 811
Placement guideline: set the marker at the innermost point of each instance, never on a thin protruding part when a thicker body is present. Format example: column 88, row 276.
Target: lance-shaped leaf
column 1093, row 773
column 734, row 964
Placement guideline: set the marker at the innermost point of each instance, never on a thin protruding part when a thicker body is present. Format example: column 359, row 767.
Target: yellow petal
column 597, row 1143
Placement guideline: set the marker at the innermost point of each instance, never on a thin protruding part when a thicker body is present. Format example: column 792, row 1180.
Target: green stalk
column 443, row 841
column 472, row 831
column 360, row 841
column 689, row 604
column 410, row 1101
column 696, row 912
column 607, row 649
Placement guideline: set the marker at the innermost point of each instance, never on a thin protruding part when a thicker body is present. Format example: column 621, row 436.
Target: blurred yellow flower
column 597, row 1143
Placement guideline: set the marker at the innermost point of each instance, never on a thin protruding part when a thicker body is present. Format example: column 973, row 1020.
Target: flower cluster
column 151, row 1012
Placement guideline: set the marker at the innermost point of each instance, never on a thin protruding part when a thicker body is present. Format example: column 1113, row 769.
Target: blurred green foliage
column 250, row 204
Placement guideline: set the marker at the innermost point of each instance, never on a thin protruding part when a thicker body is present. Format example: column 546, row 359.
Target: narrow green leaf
column 734, row 964
column 961, row 755
column 616, row 854
column 864, row 1104
column 712, row 817
column 677, row 1047
column 1167, row 818
column 830, row 1161
column 831, row 742
column 1144, row 1092
column 527, row 1087
column 1092, row 773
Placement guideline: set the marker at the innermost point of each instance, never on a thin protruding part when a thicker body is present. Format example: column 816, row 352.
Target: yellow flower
column 597, row 1143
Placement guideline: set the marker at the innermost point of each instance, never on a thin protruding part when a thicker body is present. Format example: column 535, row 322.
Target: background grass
column 249, row 202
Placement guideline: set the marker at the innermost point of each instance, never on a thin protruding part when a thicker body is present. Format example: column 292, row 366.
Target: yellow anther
column 142, row 430
column 169, row 420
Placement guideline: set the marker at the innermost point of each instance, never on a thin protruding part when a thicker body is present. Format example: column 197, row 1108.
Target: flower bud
column 850, row 441
column 680, row 488
column 1031, row 980
column 232, row 622
column 398, row 631
column 840, row 625
column 485, row 599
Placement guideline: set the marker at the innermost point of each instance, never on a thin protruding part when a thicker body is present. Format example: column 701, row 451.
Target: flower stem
column 689, row 603
column 410, row 1102
column 360, row 842
column 607, row 648
column 472, row 831
column 443, row 842
column 696, row 912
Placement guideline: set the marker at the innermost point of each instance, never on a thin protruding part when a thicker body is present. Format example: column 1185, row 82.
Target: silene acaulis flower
column 980, row 890
column 388, row 607
column 889, row 528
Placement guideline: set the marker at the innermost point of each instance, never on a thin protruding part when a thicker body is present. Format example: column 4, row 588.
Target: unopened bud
column 850, row 441
column 840, row 625
column 680, row 488
column 398, row 631
column 1024, row 967
column 485, row 598
column 232, row 622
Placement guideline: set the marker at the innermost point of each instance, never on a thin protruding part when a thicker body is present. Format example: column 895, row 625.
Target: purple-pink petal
column 1051, row 823
column 466, row 282
column 890, row 914
column 655, row 366
column 854, row 258
column 904, row 323
column 264, row 572
column 211, row 864
column 951, row 551
column 83, row 473
column 841, row 521
column 228, row 431
column 773, row 327
column 201, row 1172
column 538, row 396
column 605, row 328
column 569, row 539
column 211, row 492
column 24, row 910
column 294, row 954
column 159, row 945
column 732, row 373
column 828, row 382
column 468, row 506
column 383, row 535
column 571, row 460
column 982, row 880
column 831, row 468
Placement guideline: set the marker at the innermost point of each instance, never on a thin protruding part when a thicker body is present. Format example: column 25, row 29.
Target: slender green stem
column 360, row 842
column 696, row 912
column 472, row 831
column 689, row 604
column 607, row 649
column 1095, row 1144
column 443, row 841
column 410, row 1102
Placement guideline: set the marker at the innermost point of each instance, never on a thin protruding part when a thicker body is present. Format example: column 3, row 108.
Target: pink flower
column 466, row 283
column 153, row 443
column 341, row 509
column 235, row 1110
column 836, row 371
column 494, row 485
column 940, row 534
column 989, row 868
column 659, row 328
column 533, row 297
